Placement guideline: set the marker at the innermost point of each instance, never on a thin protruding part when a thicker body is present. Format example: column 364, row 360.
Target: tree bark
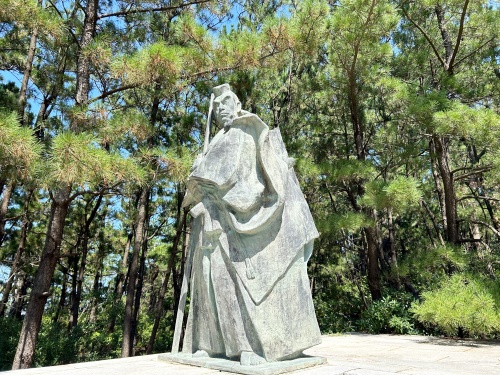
column 450, row 200
column 41, row 285
column 393, row 256
column 83, row 264
column 83, row 64
column 74, row 261
column 120, row 280
column 16, row 308
column 4, row 206
column 96, row 286
column 439, row 185
column 62, row 300
column 138, row 291
column 128, row 339
column 181, row 227
column 448, row 47
column 19, row 253
column 371, row 234
column 373, row 264
column 434, row 223
column 28, row 66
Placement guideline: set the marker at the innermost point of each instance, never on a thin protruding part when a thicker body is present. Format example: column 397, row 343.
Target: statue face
column 226, row 108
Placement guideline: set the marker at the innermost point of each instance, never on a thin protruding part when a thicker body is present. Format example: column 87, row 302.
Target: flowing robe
column 252, row 237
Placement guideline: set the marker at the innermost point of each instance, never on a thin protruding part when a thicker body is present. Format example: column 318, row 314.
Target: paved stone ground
column 353, row 354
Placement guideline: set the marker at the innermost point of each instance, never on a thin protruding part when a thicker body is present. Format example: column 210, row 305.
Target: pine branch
column 426, row 36
column 105, row 94
column 473, row 52
column 487, row 225
column 478, row 197
column 472, row 172
column 146, row 10
column 73, row 36
column 459, row 36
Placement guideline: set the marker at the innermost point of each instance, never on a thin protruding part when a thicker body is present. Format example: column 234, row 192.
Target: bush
column 461, row 306
column 9, row 336
column 388, row 315
column 55, row 346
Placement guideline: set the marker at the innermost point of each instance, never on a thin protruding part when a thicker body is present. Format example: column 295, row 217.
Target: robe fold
column 252, row 236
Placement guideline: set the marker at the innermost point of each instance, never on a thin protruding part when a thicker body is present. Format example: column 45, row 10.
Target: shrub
column 461, row 305
column 388, row 315
column 9, row 336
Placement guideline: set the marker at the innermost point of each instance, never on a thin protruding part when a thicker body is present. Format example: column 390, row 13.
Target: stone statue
column 251, row 238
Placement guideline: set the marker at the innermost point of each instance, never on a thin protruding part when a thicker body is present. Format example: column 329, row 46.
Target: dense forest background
column 391, row 109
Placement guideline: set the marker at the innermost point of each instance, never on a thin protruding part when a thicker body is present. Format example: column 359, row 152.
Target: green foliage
column 32, row 15
column 158, row 62
column 19, row 150
column 479, row 124
column 78, row 159
column 388, row 315
column 308, row 29
column 9, row 333
column 55, row 348
column 125, row 125
column 399, row 194
column 239, row 49
column 461, row 304
column 86, row 342
column 349, row 221
column 432, row 264
column 349, row 170
column 338, row 307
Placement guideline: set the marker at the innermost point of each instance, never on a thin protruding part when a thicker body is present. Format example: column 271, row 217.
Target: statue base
column 221, row 364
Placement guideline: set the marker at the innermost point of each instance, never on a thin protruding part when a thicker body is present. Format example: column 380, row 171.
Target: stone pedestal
column 221, row 364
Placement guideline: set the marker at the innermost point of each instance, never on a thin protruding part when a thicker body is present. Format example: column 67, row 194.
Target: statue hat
column 221, row 89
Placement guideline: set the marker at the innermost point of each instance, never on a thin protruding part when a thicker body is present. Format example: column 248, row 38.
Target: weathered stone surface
column 270, row 368
column 252, row 236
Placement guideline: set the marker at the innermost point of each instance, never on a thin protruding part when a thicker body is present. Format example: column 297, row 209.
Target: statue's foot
column 251, row 359
column 200, row 354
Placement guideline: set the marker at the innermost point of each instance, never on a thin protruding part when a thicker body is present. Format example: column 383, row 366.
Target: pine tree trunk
column 16, row 308
column 4, row 205
column 41, row 285
column 83, row 264
column 19, row 254
column 373, row 264
column 138, row 291
column 393, row 256
column 28, row 66
column 181, row 228
column 120, row 280
column 450, row 200
column 74, row 277
column 62, row 300
column 95, row 287
column 83, row 64
column 439, row 185
column 371, row 234
column 128, row 339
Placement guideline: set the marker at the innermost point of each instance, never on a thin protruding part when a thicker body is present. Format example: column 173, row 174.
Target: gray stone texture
column 270, row 368
column 252, row 235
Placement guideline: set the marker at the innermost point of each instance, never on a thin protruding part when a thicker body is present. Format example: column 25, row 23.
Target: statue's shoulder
column 250, row 119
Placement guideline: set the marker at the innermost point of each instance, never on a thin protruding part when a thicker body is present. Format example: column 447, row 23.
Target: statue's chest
column 244, row 171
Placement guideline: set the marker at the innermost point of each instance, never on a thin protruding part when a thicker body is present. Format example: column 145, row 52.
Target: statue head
column 227, row 106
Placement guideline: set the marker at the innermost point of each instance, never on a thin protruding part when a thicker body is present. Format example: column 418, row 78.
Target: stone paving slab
column 351, row 354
